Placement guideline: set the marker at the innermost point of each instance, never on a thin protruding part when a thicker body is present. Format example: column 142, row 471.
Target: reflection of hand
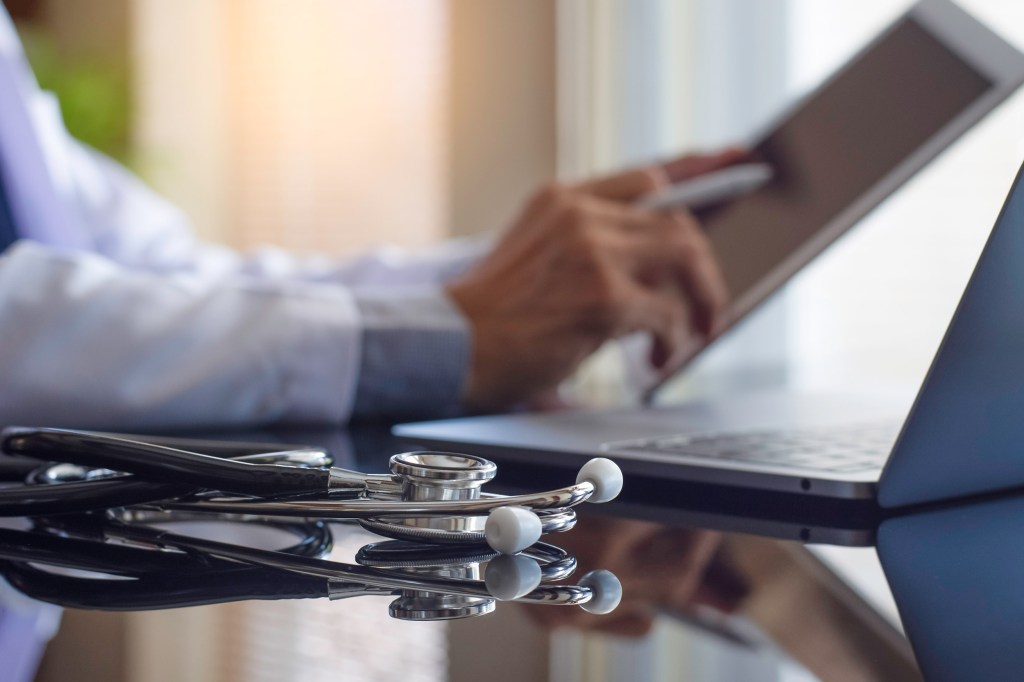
column 660, row 567
column 581, row 266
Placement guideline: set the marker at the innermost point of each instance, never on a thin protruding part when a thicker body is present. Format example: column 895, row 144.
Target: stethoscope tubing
column 89, row 555
column 123, row 490
column 334, row 571
column 165, row 570
column 82, row 543
column 168, row 478
column 555, row 563
column 327, row 508
column 234, row 476
column 300, row 488
column 162, row 463
column 164, row 591
column 166, row 580
column 83, row 496
column 16, row 469
column 128, row 490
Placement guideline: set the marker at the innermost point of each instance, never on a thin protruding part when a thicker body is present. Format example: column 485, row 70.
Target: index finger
column 628, row 186
column 704, row 282
column 676, row 241
column 687, row 167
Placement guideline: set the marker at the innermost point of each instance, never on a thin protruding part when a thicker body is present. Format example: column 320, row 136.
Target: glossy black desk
column 713, row 589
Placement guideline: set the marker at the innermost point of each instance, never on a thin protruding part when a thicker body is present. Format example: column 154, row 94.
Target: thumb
column 691, row 166
column 627, row 186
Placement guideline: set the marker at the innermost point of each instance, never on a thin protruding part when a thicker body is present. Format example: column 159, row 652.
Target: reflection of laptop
column 955, row 574
column 971, row 407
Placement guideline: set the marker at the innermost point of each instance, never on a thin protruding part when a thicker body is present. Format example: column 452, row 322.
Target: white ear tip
column 605, row 475
column 606, row 592
column 512, row 576
column 511, row 529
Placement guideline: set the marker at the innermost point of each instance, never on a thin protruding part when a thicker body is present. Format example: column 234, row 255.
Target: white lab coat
column 125, row 320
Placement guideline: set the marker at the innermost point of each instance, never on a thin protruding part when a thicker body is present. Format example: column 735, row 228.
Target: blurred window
column 316, row 125
column 872, row 310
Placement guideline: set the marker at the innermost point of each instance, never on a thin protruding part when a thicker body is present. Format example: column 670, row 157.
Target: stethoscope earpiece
column 606, row 590
column 512, row 576
column 512, row 529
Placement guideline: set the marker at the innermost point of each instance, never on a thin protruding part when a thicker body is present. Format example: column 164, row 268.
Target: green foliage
column 94, row 93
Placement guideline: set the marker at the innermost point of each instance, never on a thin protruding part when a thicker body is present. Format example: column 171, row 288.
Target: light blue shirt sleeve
column 415, row 353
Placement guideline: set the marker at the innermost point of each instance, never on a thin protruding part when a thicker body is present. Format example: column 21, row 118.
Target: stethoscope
column 430, row 497
column 140, row 566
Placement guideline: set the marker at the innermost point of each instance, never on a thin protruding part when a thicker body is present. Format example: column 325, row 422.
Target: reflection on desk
column 956, row 576
column 430, row 583
column 703, row 598
column 163, row 560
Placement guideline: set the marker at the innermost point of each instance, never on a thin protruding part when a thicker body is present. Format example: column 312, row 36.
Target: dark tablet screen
column 877, row 111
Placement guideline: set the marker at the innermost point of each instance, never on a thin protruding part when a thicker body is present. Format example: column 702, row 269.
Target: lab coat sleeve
column 88, row 342
column 274, row 337
column 415, row 353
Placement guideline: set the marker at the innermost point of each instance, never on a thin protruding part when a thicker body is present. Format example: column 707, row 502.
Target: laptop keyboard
column 842, row 450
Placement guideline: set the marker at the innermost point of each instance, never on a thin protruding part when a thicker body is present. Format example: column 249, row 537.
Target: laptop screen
column 965, row 434
column 871, row 116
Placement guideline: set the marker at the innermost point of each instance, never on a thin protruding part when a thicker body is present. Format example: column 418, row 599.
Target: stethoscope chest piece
column 441, row 475
column 451, row 477
column 422, row 606
column 436, row 476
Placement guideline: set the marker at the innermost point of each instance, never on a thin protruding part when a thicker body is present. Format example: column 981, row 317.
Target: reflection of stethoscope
column 142, row 567
column 431, row 497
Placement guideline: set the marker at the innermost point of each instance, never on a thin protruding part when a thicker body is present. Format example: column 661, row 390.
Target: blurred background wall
column 318, row 125
column 335, row 125
column 323, row 125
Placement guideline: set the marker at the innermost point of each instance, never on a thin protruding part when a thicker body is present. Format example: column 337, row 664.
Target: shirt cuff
column 415, row 354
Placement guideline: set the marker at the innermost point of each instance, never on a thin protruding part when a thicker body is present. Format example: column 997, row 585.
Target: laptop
column 941, row 72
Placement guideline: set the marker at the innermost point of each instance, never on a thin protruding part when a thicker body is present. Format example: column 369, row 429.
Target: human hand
column 581, row 266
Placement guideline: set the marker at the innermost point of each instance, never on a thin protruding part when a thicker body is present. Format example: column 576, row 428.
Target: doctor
column 113, row 314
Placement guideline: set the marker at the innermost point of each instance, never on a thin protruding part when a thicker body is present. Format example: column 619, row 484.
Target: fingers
column 701, row 276
column 575, row 271
column 628, row 186
column 690, row 166
column 632, row 184
column 675, row 270
column 660, row 314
